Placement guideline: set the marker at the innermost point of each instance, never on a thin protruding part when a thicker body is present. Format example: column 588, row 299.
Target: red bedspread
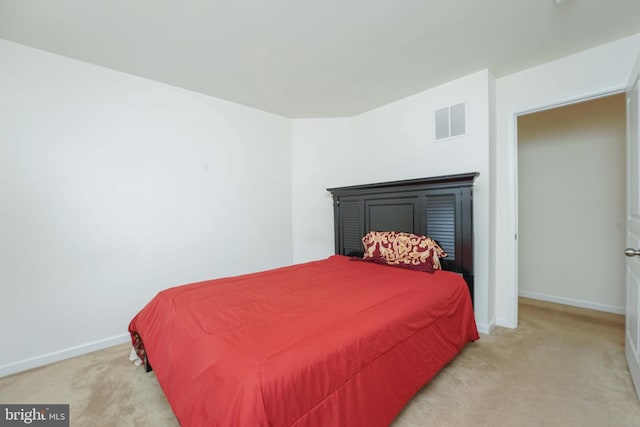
column 332, row 342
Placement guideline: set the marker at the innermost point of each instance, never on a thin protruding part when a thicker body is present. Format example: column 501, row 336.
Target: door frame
column 512, row 156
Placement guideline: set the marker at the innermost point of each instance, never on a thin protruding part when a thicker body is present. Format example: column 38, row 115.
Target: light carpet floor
column 563, row 366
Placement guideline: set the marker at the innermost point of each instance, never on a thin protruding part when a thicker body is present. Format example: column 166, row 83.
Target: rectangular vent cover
column 450, row 121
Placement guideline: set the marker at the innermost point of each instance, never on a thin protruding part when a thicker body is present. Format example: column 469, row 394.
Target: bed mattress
column 332, row 342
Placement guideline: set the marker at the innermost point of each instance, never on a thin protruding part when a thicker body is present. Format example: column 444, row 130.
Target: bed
column 337, row 341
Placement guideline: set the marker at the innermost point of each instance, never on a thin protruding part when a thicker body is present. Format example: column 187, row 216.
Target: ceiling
column 315, row 58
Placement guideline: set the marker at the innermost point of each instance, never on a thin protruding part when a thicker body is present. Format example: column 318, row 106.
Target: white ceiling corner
column 309, row 58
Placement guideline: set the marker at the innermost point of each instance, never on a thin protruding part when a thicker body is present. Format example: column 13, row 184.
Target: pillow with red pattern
column 404, row 250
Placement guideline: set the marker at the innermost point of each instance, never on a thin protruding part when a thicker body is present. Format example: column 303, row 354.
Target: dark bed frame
column 439, row 207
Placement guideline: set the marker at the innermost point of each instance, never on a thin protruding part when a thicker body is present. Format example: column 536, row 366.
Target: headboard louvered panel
column 440, row 220
column 351, row 231
column 440, row 207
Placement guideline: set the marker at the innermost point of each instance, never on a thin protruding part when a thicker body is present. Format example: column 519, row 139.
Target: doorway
column 571, row 204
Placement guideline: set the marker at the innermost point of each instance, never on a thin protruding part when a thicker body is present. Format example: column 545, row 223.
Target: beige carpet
column 562, row 367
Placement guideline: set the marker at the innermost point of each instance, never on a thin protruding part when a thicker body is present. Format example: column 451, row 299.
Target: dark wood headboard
column 439, row 207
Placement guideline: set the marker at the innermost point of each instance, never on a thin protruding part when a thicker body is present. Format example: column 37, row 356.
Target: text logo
column 34, row 415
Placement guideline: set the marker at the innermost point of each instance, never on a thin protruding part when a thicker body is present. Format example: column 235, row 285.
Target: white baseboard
column 56, row 356
column 505, row 323
column 573, row 302
column 486, row 329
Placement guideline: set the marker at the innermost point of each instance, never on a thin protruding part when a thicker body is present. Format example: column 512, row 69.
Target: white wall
column 317, row 164
column 393, row 142
column 593, row 72
column 571, row 204
column 113, row 187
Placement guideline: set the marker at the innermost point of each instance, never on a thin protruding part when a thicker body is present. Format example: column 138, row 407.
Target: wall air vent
column 450, row 121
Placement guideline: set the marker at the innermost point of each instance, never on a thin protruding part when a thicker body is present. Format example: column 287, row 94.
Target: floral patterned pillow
column 404, row 250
